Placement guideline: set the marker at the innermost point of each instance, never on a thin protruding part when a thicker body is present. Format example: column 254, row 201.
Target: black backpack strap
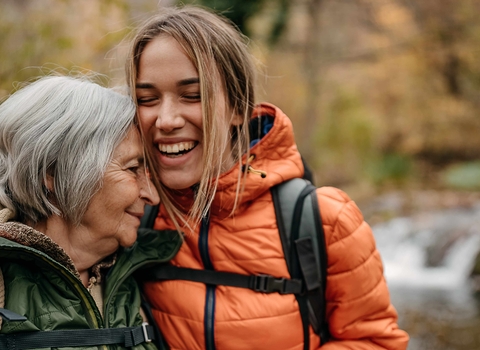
column 126, row 336
column 307, row 172
column 317, row 296
column 257, row 283
column 301, row 233
column 149, row 216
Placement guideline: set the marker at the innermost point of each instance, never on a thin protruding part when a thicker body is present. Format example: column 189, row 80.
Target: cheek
column 132, row 187
column 147, row 119
column 125, row 193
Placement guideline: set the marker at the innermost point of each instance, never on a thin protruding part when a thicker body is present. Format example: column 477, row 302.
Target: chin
column 176, row 183
column 130, row 241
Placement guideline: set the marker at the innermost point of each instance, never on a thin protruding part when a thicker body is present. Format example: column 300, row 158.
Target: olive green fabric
column 53, row 298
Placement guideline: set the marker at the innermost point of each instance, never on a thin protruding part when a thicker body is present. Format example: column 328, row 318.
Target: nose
column 168, row 116
column 148, row 192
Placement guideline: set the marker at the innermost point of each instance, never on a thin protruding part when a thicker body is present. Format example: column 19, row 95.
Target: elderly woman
column 73, row 186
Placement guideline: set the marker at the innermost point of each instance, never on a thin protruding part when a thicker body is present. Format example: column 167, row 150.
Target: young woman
column 218, row 155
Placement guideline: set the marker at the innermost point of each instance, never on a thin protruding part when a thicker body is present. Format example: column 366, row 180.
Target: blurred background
column 385, row 100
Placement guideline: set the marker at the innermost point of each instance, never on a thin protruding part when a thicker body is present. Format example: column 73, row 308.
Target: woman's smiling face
column 114, row 212
column 170, row 111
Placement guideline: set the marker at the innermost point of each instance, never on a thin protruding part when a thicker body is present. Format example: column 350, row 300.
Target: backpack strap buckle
column 139, row 335
column 267, row 284
column 270, row 284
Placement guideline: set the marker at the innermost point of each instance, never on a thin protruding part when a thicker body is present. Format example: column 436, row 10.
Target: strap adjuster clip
column 11, row 316
column 145, row 333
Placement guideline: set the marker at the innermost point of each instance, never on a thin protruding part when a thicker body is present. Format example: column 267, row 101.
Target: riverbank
column 428, row 241
column 400, row 203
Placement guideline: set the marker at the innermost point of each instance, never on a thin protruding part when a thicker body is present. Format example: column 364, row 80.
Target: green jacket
column 52, row 297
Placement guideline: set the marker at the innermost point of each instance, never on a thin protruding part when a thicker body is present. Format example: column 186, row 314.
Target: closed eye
column 192, row 97
column 134, row 169
column 144, row 101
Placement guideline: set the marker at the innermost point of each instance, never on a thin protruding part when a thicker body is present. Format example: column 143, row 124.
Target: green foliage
column 279, row 24
column 347, row 141
column 69, row 36
column 238, row 11
column 465, row 176
column 241, row 11
column 345, row 138
column 391, row 169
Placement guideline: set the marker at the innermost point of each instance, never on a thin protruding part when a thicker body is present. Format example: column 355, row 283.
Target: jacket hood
column 275, row 154
column 29, row 237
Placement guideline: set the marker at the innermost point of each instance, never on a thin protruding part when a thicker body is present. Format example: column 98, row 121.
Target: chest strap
column 258, row 283
column 125, row 336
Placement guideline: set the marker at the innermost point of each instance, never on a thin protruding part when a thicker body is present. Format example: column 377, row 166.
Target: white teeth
column 176, row 147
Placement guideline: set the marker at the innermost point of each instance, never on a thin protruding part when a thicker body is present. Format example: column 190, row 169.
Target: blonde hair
column 215, row 47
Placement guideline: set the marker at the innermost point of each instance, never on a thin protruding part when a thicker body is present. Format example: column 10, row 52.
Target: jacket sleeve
column 359, row 312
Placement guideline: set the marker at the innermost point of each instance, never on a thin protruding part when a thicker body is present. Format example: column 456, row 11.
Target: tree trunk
column 311, row 66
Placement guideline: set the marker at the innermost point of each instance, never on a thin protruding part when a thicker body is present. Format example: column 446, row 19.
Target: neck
column 69, row 238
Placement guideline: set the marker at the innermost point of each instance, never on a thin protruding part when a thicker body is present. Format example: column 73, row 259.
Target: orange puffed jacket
column 193, row 316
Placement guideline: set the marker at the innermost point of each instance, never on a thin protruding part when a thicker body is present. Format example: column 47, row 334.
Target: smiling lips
column 136, row 215
column 176, row 149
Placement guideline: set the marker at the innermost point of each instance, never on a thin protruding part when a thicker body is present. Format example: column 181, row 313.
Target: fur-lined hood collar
column 29, row 237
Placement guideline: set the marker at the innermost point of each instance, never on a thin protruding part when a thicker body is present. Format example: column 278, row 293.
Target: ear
column 49, row 183
column 237, row 120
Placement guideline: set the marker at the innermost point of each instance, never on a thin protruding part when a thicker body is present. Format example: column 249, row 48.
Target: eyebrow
column 188, row 81
column 183, row 82
column 144, row 86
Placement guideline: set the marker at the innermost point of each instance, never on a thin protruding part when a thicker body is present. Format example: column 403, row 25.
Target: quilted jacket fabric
column 195, row 316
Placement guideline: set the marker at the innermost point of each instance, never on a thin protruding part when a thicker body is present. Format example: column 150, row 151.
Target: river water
column 428, row 257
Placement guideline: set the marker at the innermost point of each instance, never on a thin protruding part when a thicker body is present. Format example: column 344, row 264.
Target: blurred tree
column 445, row 68
column 311, row 68
column 447, row 27
column 241, row 11
column 37, row 37
column 238, row 11
column 392, row 83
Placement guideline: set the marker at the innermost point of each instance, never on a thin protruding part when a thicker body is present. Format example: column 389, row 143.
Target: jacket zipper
column 209, row 312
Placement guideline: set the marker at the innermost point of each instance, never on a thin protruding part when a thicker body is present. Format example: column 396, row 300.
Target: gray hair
column 63, row 129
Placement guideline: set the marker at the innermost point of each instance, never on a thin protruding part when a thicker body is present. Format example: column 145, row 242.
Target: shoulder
column 358, row 302
column 338, row 209
column 343, row 222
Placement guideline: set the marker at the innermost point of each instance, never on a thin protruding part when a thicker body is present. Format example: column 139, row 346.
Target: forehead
column 164, row 47
column 130, row 147
column 164, row 63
